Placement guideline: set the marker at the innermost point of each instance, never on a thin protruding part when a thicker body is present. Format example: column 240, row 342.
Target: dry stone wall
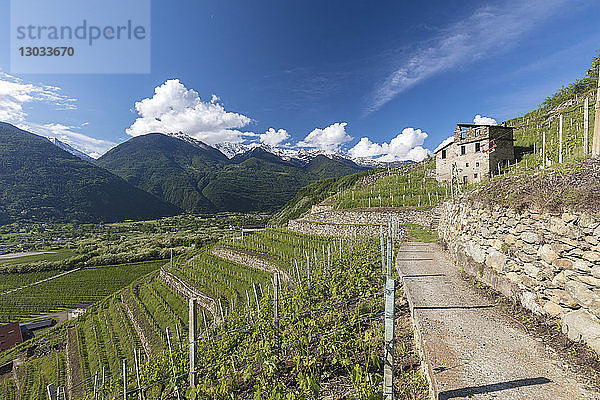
column 360, row 222
column 549, row 263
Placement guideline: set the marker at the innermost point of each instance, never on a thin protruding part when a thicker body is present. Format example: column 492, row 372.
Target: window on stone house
column 443, row 153
column 477, row 147
column 477, row 164
column 465, row 179
column 475, row 175
column 467, row 165
column 463, row 150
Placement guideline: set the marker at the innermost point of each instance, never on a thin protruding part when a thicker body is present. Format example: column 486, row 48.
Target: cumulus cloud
column 174, row 108
column 479, row 120
column 274, row 137
column 444, row 143
column 327, row 139
column 487, row 30
column 408, row 145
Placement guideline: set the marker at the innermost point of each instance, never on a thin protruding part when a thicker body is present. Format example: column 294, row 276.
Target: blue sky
column 324, row 74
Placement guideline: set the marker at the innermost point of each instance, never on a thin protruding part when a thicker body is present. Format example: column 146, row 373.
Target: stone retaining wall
column 549, row 263
column 252, row 261
column 360, row 222
column 186, row 291
column 324, row 229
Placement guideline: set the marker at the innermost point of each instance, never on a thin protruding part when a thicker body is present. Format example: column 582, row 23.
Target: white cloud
column 408, row 145
column 274, row 137
column 15, row 94
column 479, row 120
column 444, row 143
column 327, row 139
column 67, row 134
column 174, row 108
column 488, row 30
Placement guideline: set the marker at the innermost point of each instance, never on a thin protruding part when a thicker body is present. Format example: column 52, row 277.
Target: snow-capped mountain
column 302, row 155
column 233, row 149
column 186, row 138
column 69, row 149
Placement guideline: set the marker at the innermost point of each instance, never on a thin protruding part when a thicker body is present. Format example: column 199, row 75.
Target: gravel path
column 474, row 350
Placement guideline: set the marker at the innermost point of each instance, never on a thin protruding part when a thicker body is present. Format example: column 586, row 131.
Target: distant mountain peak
column 188, row 139
column 299, row 155
column 69, row 149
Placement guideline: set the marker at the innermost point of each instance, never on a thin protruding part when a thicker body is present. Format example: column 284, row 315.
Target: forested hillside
column 198, row 178
column 39, row 181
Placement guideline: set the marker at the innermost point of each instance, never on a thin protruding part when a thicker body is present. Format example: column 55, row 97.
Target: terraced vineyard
column 62, row 293
column 283, row 247
column 416, row 188
column 219, row 278
column 325, row 338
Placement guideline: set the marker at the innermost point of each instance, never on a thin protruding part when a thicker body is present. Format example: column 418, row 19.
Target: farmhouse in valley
column 474, row 153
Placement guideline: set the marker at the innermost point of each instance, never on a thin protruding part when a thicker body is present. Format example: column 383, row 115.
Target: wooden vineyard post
column 173, row 370
column 275, row 299
column 389, row 263
column 388, row 368
column 596, row 138
column 382, row 250
column 51, row 391
column 96, row 386
column 256, row 297
column 136, row 359
column 560, row 139
column 586, row 125
column 124, row 379
column 193, row 337
column 544, row 149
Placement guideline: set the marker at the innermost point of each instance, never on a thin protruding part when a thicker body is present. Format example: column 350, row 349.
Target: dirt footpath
column 474, row 350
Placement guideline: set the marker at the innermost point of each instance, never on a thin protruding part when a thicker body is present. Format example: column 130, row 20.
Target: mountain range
column 41, row 182
column 147, row 177
column 199, row 178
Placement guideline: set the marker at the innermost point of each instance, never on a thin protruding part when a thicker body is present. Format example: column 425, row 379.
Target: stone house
column 476, row 153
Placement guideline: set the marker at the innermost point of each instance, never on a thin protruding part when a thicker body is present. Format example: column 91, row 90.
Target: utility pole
column 596, row 139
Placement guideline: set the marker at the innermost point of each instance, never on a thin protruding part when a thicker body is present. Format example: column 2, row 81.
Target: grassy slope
column 571, row 186
column 313, row 194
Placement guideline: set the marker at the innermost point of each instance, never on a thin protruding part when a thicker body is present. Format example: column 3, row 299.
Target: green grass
column 53, row 255
column 16, row 280
column 88, row 285
column 329, row 331
column 315, row 193
column 421, row 235
column 412, row 186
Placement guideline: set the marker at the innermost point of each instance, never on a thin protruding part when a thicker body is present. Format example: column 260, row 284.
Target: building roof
column 82, row 305
column 442, row 148
column 445, row 143
column 32, row 326
column 471, row 125
column 10, row 336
